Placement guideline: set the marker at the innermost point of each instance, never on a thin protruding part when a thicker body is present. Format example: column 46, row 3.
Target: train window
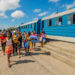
column 70, row 18
column 35, row 26
column 42, row 25
column 73, row 18
column 49, row 22
column 58, row 21
column 22, row 27
column 26, row 26
column 31, row 25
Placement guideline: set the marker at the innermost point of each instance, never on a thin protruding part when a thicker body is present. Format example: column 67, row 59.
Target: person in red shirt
column 3, row 43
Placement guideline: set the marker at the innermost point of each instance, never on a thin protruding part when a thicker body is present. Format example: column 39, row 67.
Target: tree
column 11, row 28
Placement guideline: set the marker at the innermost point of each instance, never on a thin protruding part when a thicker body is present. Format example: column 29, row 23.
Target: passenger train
column 60, row 26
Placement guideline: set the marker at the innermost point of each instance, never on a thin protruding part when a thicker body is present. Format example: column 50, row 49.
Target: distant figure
column 19, row 43
column 10, row 33
column 26, row 40
column 3, row 42
column 15, row 42
column 42, row 38
column 34, row 42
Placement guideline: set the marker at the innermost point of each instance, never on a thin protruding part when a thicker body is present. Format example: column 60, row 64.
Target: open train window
column 31, row 25
column 42, row 25
column 73, row 18
column 58, row 21
column 49, row 22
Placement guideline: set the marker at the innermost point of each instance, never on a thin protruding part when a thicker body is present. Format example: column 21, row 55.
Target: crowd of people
column 12, row 42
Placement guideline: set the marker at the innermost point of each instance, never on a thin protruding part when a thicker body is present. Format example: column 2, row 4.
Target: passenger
column 30, row 43
column 34, row 40
column 3, row 42
column 19, row 43
column 10, row 33
column 24, row 33
column 0, row 39
column 24, row 37
column 26, row 44
column 15, row 42
column 8, row 48
column 43, row 38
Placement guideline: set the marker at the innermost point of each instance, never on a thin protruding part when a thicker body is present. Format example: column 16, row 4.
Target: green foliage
column 11, row 28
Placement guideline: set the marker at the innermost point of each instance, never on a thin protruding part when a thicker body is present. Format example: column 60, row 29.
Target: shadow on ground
column 21, row 62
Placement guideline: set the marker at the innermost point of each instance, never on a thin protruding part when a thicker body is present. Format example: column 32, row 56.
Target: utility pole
column 56, row 10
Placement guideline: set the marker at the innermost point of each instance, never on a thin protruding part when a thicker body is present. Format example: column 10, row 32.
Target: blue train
column 60, row 26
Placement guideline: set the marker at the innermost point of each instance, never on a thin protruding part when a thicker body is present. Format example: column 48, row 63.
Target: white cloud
column 35, row 18
column 2, row 14
column 13, row 20
column 54, row 1
column 63, row 6
column 18, row 14
column 8, row 5
column 43, row 14
column 37, row 10
column 70, row 5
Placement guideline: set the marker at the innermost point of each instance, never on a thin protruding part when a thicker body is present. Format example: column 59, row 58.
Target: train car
column 60, row 26
column 31, row 26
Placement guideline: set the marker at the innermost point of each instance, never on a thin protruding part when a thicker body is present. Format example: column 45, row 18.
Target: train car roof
column 27, row 23
column 59, row 14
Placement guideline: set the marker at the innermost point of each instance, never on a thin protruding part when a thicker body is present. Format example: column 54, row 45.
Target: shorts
column 26, row 44
column 19, row 45
column 3, row 46
column 43, row 40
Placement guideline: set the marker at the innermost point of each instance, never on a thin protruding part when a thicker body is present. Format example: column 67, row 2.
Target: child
column 8, row 48
column 43, row 40
column 27, row 43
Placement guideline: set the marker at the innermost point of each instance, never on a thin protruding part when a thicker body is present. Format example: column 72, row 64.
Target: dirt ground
column 38, row 63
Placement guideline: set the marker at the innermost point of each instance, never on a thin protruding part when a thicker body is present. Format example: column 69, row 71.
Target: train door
column 35, row 27
column 42, row 25
column 39, row 26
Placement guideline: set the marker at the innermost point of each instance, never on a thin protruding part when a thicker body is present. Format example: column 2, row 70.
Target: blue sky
column 15, row 12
